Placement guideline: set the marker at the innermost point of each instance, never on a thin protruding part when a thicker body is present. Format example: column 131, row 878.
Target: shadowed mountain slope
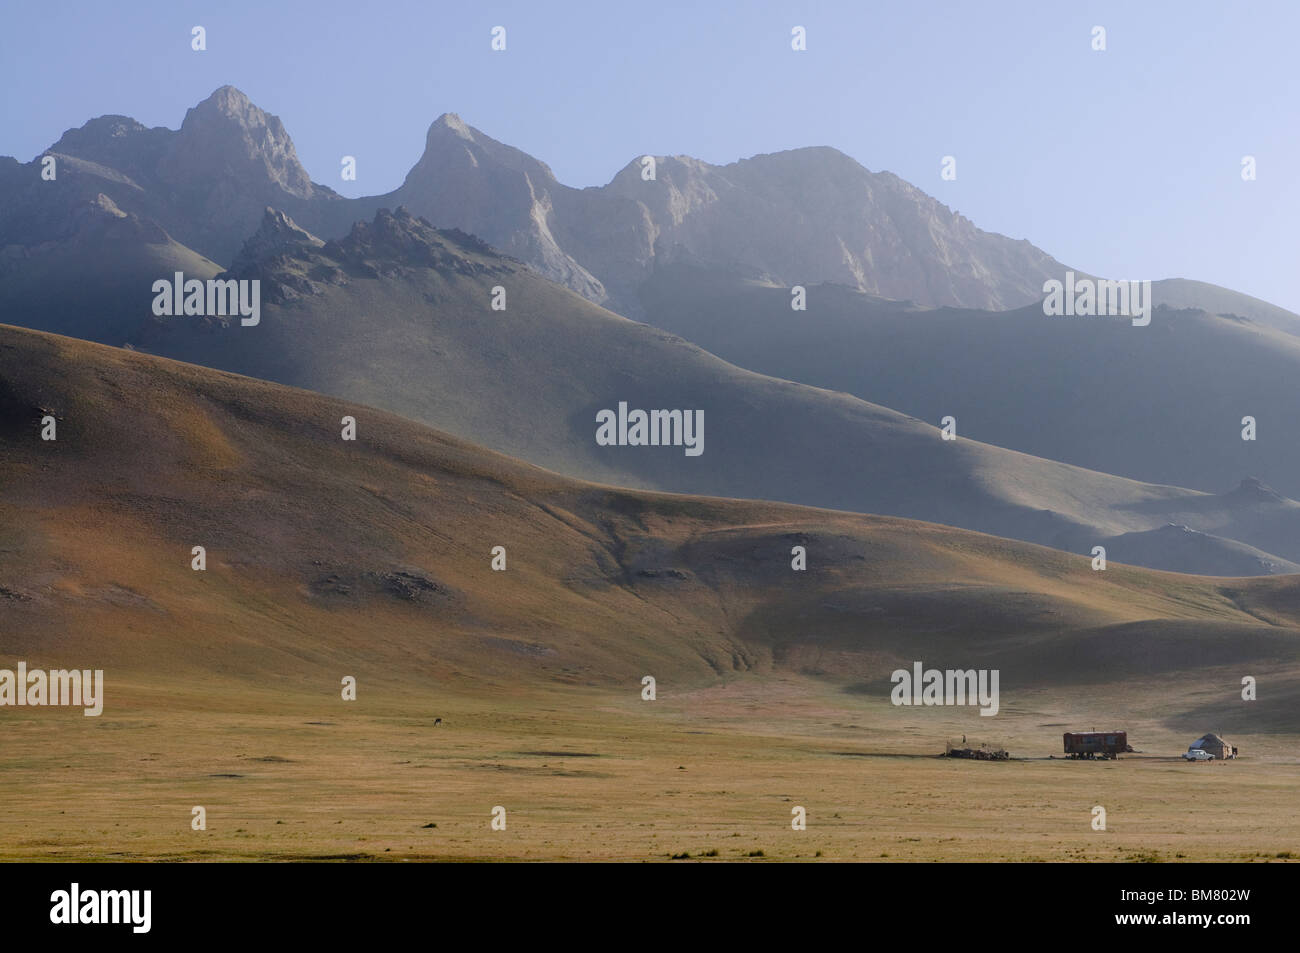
column 1162, row 403
column 86, row 280
column 399, row 315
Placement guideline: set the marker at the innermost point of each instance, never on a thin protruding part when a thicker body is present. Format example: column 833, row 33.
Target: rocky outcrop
column 804, row 216
column 207, row 183
column 227, row 139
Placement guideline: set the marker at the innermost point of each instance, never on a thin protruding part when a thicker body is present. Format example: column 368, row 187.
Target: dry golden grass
column 588, row 775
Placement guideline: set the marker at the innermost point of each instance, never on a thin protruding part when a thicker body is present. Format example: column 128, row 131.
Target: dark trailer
column 1096, row 744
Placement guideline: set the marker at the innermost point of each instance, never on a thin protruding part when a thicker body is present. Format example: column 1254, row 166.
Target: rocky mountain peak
column 452, row 144
column 451, row 124
column 96, row 132
column 278, row 235
column 1254, row 490
column 231, row 102
column 227, row 137
column 278, row 227
column 803, row 215
column 395, row 240
column 395, row 229
column 118, row 142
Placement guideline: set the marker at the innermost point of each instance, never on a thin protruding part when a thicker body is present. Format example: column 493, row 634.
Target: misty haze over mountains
column 365, row 301
column 804, row 216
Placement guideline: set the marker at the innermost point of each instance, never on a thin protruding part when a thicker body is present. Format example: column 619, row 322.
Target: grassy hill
column 371, row 558
column 308, row 535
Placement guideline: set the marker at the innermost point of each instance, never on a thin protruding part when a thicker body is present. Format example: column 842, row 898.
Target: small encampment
column 1213, row 745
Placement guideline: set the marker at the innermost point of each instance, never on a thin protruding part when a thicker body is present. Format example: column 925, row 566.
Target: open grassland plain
column 710, row 773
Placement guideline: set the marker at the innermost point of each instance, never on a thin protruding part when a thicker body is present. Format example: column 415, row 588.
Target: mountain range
column 913, row 314
column 804, row 216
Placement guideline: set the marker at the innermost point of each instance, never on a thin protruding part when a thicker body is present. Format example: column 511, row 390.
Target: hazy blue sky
column 1125, row 162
